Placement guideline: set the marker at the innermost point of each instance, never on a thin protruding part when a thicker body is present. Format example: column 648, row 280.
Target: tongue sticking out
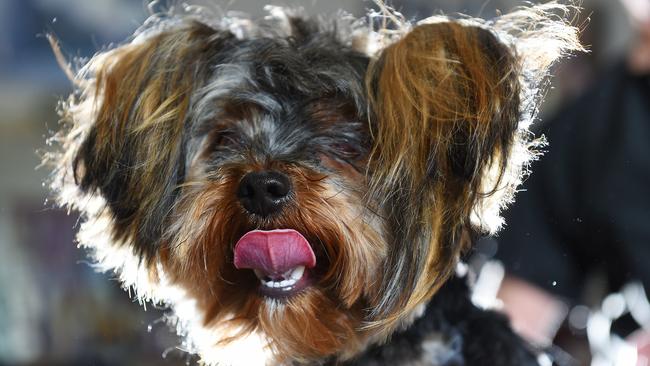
column 273, row 252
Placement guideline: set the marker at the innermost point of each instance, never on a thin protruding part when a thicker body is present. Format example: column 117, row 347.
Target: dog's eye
column 346, row 150
column 225, row 138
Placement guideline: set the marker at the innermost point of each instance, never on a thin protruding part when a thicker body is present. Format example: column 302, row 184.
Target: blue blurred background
column 54, row 309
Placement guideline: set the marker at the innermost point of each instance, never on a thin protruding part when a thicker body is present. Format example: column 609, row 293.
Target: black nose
column 264, row 193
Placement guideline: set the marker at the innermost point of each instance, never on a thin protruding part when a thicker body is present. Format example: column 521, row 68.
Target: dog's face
column 286, row 183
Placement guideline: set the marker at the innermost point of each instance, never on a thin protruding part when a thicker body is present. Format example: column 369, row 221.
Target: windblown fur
column 401, row 142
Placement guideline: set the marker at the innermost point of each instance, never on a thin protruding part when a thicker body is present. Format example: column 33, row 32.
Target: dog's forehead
column 278, row 93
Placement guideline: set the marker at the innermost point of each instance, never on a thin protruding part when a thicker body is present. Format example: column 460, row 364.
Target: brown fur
column 446, row 100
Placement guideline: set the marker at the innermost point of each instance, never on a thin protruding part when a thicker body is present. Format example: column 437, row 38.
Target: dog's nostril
column 277, row 188
column 264, row 193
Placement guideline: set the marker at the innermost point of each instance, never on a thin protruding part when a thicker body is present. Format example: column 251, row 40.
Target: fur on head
column 388, row 149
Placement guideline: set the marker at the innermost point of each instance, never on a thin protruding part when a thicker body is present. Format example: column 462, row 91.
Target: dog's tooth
column 297, row 273
column 287, row 274
column 284, row 284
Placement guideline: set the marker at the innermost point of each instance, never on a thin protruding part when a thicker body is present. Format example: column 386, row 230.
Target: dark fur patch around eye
column 348, row 150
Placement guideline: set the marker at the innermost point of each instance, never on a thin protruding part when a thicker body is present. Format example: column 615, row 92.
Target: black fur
column 456, row 333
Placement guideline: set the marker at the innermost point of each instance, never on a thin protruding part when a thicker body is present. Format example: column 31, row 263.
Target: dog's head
column 300, row 185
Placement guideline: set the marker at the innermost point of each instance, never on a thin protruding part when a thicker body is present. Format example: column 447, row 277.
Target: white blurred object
column 639, row 10
column 637, row 302
column 484, row 293
column 609, row 349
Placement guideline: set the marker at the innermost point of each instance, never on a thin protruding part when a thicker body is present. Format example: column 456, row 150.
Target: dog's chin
column 310, row 326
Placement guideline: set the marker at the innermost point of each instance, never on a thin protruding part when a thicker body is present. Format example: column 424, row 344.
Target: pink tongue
column 273, row 252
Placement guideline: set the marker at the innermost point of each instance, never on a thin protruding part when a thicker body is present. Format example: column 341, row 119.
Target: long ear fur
column 451, row 102
column 127, row 125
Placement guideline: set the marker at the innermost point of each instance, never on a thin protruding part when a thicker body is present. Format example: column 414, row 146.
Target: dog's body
column 452, row 332
column 297, row 190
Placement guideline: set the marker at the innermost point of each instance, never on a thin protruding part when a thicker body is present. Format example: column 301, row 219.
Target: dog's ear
column 446, row 115
column 445, row 100
column 130, row 148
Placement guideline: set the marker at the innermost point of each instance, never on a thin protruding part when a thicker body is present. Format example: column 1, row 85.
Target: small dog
column 297, row 190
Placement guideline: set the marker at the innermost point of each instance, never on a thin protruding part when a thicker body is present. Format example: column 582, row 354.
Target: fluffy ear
column 128, row 124
column 447, row 106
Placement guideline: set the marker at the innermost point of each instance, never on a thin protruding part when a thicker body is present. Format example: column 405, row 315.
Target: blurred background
column 54, row 309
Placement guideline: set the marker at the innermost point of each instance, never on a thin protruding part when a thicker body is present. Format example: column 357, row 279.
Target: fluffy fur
column 402, row 142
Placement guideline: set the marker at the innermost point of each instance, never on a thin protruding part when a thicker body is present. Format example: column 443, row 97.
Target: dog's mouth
column 280, row 258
